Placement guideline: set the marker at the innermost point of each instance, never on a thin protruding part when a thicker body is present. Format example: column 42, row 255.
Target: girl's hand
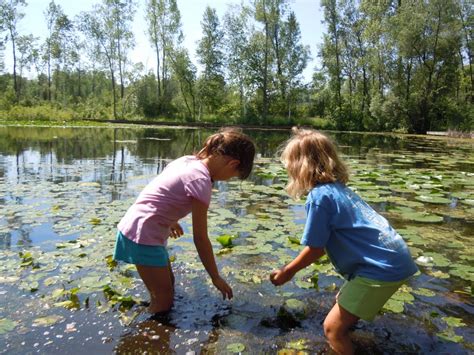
column 176, row 230
column 222, row 286
column 281, row 276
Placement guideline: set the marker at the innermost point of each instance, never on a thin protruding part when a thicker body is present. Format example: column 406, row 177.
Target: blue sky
column 308, row 13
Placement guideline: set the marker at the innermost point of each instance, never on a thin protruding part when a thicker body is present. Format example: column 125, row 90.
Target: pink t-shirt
column 165, row 200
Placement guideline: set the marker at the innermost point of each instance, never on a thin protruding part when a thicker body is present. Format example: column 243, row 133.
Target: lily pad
column 423, row 217
column 235, row 347
column 47, row 321
column 7, row 325
column 225, row 240
column 433, row 199
column 454, row 322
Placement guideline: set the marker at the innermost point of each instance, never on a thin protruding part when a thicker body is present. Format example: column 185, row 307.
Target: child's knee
column 334, row 329
column 329, row 328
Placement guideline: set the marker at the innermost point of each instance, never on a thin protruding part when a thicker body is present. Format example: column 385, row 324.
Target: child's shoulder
column 190, row 167
column 325, row 191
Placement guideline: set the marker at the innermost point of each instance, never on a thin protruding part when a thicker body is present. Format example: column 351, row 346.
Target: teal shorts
column 365, row 297
column 140, row 254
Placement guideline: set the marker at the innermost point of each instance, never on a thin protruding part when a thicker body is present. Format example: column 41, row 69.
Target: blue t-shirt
column 357, row 240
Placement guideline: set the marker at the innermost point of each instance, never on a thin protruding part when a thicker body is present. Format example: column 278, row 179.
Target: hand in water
column 279, row 277
column 222, row 286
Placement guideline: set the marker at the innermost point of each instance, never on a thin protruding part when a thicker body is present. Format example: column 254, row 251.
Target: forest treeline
column 389, row 65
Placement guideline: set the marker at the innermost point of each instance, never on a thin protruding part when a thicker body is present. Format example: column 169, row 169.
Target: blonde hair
column 311, row 158
column 231, row 142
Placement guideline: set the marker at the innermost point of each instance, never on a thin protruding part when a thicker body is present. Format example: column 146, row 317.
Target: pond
column 63, row 190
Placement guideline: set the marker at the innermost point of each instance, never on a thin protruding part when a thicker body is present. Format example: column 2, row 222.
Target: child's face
column 228, row 170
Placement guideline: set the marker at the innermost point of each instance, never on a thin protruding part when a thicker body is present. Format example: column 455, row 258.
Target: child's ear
column 234, row 163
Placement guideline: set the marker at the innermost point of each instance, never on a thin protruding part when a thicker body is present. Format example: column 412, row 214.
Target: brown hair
column 311, row 158
column 233, row 143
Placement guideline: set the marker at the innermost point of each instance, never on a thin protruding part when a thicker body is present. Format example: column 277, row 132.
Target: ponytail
column 233, row 143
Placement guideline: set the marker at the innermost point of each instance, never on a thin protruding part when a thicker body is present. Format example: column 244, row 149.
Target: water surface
column 63, row 190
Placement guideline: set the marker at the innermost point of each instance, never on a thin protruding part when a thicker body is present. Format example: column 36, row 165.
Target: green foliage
column 42, row 112
column 225, row 240
column 386, row 66
column 396, row 67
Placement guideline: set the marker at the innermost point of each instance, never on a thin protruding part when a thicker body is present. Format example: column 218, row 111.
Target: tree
column 108, row 26
column 58, row 50
column 331, row 55
column 164, row 31
column 293, row 61
column 268, row 12
column 10, row 14
column 26, row 49
column 185, row 73
column 237, row 33
column 211, row 57
column 432, row 41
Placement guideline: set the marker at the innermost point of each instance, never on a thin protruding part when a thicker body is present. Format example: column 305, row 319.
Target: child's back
column 358, row 240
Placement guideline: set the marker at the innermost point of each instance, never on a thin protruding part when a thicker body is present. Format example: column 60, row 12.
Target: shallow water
column 63, row 190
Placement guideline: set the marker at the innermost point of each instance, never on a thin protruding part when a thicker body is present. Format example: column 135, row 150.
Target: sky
column 308, row 13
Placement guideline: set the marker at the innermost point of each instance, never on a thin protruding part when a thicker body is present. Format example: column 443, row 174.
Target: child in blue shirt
column 361, row 244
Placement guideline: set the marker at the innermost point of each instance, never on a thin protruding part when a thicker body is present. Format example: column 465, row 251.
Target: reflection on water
column 64, row 189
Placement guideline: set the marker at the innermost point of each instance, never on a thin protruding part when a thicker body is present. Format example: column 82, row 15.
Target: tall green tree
column 268, row 13
column 108, row 26
column 10, row 15
column 466, row 16
column 432, row 41
column 293, row 61
column 331, row 56
column 164, row 31
column 237, row 33
column 211, row 57
column 185, row 73
column 26, row 46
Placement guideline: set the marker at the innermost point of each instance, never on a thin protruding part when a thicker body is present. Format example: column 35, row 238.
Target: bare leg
column 171, row 274
column 159, row 282
column 336, row 327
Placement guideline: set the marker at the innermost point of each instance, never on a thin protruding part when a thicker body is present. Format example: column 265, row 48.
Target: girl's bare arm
column 204, row 247
column 307, row 256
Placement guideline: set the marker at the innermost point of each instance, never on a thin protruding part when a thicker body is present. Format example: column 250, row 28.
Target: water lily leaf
column 454, row 322
column 294, row 240
column 300, row 344
column 438, row 259
column 424, row 292
column 47, row 321
column 225, row 240
column 295, row 307
column 422, row 217
column 465, row 272
column 469, row 202
column 449, row 336
column 394, row 306
column 67, row 304
column 235, row 347
column 433, row 199
column 7, row 325
column 95, row 221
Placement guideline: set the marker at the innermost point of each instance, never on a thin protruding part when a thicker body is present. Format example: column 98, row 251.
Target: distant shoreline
column 93, row 123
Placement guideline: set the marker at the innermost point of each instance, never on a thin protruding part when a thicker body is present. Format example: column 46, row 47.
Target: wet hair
column 233, row 143
column 311, row 158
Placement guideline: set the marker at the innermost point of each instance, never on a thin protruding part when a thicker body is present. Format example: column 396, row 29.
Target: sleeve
column 317, row 228
column 200, row 189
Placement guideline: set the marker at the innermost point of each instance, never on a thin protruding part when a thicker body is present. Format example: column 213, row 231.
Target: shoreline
column 95, row 123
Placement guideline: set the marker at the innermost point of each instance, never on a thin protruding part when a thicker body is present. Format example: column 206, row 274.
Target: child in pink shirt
column 184, row 186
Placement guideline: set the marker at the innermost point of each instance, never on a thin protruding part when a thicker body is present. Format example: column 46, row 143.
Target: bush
column 37, row 113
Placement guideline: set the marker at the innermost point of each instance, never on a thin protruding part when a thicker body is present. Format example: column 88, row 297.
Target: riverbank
column 316, row 123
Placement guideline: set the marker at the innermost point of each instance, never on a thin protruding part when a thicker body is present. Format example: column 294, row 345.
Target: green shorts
column 365, row 297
